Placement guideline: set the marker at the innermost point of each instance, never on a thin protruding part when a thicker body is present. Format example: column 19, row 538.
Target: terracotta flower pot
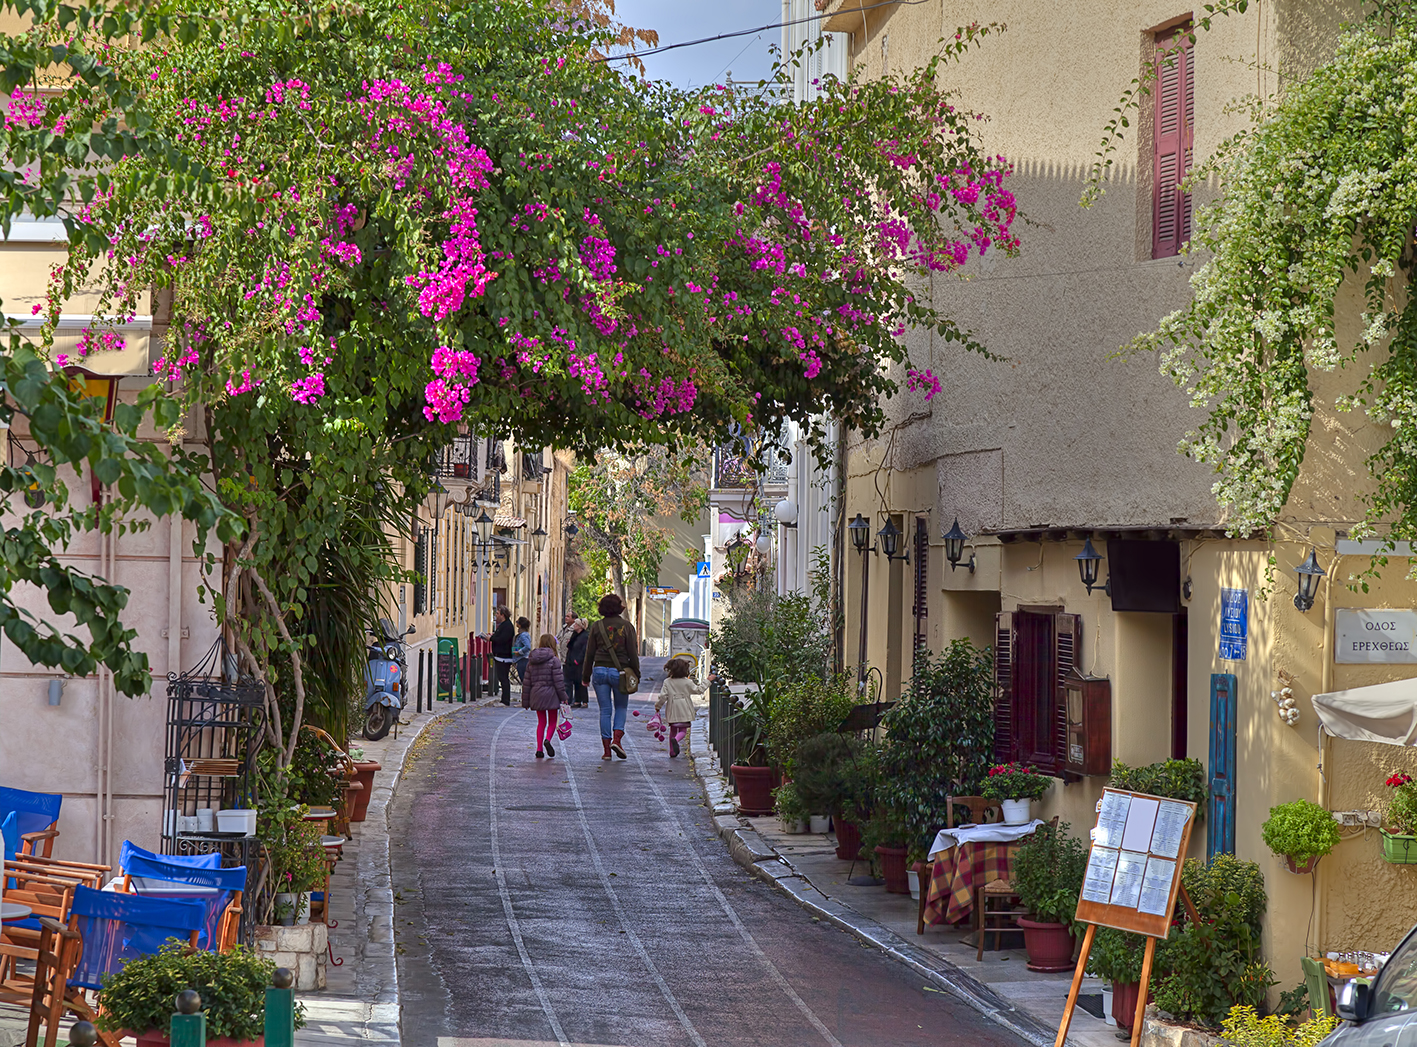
column 364, row 774
column 1049, row 945
column 755, row 786
column 1307, row 867
column 848, row 840
column 893, row 868
column 154, row 1038
column 1124, row 1003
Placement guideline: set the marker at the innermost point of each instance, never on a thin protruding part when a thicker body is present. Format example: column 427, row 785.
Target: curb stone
column 755, row 855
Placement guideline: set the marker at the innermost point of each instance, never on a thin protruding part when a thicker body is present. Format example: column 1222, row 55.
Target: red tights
column 545, row 726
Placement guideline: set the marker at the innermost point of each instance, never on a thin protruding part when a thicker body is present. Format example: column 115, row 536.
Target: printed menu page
column 1156, row 886
column 1111, row 819
column 1141, row 819
column 1127, row 883
column 1097, row 884
column 1170, row 827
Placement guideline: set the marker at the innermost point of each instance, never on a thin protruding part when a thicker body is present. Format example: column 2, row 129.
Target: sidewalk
column 806, row 868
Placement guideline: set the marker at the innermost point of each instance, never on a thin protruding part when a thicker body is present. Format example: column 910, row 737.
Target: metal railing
column 189, row 1025
column 725, row 729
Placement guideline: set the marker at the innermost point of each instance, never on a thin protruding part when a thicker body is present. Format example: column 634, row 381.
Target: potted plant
column 1399, row 836
column 917, row 868
column 832, row 774
column 1047, row 874
column 232, row 985
column 1301, row 832
column 1116, row 958
column 296, row 861
column 364, row 771
column 887, row 838
column 1015, row 786
column 792, row 810
column 752, row 775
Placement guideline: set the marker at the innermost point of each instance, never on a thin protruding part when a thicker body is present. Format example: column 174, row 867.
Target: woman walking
column 502, row 652
column 521, row 646
column 612, row 648
column 544, row 689
column 575, row 661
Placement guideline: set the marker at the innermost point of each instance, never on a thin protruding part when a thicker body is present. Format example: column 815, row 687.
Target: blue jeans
column 610, row 698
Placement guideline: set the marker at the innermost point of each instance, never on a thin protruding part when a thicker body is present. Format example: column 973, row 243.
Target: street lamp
column 890, row 541
column 538, row 540
column 572, row 530
column 1089, row 566
column 1309, row 573
column 860, row 533
column 737, row 552
column 484, row 528
column 954, row 540
column 435, row 502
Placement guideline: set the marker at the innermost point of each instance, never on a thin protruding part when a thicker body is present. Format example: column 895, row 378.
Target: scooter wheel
column 377, row 722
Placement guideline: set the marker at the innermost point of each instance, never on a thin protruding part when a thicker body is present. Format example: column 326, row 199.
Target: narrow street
column 574, row 901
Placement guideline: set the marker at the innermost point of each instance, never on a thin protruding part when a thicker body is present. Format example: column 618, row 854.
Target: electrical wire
column 758, row 29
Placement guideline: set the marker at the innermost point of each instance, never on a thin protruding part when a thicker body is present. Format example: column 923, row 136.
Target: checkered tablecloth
column 957, row 872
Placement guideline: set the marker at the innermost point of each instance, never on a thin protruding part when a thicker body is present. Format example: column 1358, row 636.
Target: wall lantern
column 484, row 527
column 572, row 530
column 763, row 544
column 860, row 533
column 1089, row 566
column 538, row 540
column 737, row 552
column 890, row 542
column 92, row 386
column 954, row 540
column 56, row 691
column 436, row 501
column 785, row 512
column 1309, row 573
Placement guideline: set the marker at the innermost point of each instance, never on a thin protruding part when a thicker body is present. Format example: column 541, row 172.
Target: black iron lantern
column 954, row 540
column 572, row 530
column 737, row 551
column 890, row 541
column 435, row 502
column 484, row 527
column 538, row 540
column 860, row 533
column 1309, row 573
column 1089, row 566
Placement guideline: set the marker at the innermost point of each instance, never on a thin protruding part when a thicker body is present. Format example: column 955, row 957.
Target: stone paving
column 805, row 867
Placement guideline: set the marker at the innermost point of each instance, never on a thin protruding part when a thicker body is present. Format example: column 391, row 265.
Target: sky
column 678, row 20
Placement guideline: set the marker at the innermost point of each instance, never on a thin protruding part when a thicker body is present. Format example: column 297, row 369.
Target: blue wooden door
column 1220, row 820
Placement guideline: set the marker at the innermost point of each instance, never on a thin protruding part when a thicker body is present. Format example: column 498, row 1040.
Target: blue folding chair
column 37, row 815
column 192, row 861
column 217, row 890
column 10, row 834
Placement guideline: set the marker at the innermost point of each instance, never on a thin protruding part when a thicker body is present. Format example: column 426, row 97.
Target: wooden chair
column 981, row 810
column 1317, row 984
column 19, row 940
column 58, row 955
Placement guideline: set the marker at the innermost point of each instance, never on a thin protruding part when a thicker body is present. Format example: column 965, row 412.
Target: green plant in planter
column 1300, row 830
column 1116, row 956
column 1401, row 813
column 1014, row 781
column 821, row 770
column 753, row 718
column 804, row 708
column 788, row 803
column 1048, row 871
column 1174, row 779
column 313, row 777
column 295, row 856
column 1243, row 1027
column 232, row 986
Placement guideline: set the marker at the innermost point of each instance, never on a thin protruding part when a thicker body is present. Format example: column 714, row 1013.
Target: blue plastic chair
column 10, row 834
column 216, row 890
column 36, row 813
column 118, row 927
column 192, row 861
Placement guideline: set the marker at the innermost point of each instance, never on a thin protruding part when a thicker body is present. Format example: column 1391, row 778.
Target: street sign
column 659, row 592
column 703, row 571
column 1234, row 624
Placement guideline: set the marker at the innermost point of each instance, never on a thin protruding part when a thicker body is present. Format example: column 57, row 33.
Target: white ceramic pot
column 302, row 914
column 242, row 821
column 1016, row 812
column 792, row 825
column 819, row 823
column 914, row 878
column 285, row 904
column 1107, row 1005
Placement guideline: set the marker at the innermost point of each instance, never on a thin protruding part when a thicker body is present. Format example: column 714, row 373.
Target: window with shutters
column 1173, row 133
column 420, row 570
column 433, row 567
column 922, row 587
column 1034, row 653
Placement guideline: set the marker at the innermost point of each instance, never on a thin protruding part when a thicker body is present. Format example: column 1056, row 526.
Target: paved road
column 573, row 901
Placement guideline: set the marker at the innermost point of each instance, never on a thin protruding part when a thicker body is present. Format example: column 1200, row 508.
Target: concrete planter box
column 1156, row 1033
column 302, row 950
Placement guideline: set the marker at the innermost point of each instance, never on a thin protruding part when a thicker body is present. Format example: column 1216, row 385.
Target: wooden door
column 1220, row 827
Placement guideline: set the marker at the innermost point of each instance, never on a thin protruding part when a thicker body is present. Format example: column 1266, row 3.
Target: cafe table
column 13, row 911
column 964, row 858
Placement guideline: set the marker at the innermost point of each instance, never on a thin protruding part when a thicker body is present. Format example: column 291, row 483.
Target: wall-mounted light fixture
column 954, row 540
column 763, row 544
column 56, row 691
column 785, row 512
column 1090, row 566
column 860, row 533
column 890, row 541
column 571, row 530
column 736, row 550
column 538, row 540
column 1309, row 573
column 435, row 501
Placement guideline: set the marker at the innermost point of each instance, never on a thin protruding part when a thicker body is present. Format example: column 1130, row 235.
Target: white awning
column 1384, row 712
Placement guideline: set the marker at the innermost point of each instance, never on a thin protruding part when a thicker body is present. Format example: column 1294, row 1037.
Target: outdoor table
column 965, row 858
column 13, row 911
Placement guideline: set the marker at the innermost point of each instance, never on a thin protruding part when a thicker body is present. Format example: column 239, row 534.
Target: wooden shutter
column 1004, row 686
column 433, row 567
column 1174, row 122
column 1067, row 638
column 420, row 572
column 922, row 586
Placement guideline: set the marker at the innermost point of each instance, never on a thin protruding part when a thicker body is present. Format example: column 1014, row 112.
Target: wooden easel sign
column 1133, row 880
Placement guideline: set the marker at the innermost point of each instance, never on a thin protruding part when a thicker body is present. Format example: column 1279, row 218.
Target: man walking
column 563, row 638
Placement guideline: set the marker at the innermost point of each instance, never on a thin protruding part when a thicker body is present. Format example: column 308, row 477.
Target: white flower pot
column 819, row 823
column 792, row 825
column 914, row 878
column 286, row 902
column 1107, row 1004
column 1016, row 812
column 302, row 914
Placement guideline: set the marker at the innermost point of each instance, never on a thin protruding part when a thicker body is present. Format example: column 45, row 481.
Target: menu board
column 1134, row 866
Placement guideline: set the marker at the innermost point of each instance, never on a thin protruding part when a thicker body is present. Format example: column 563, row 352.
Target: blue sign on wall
column 1234, row 623
column 703, row 569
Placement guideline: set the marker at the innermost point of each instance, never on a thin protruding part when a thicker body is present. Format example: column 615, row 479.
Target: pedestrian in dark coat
column 502, row 638
column 575, row 661
column 544, row 689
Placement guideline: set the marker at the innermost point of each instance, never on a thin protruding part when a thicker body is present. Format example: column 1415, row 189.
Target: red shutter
column 1004, row 686
column 1174, row 124
column 1067, row 638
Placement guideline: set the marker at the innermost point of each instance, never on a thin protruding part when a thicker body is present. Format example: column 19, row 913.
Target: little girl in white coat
column 676, row 698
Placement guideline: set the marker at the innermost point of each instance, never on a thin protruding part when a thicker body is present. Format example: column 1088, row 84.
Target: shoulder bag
column 629, row 679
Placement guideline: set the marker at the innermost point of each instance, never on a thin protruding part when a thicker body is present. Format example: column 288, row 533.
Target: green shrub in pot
column 232, row 986
column 803, row 709
column 1174, row 779
column 1047, row 873
column 1116, row 956
column 1300, row 830
column 825, row 773
column 788, row 803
